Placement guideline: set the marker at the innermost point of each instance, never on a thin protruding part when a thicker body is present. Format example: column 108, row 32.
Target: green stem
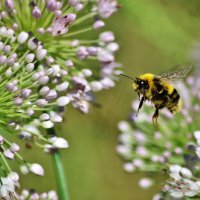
column 60, row 176
column 62, row 188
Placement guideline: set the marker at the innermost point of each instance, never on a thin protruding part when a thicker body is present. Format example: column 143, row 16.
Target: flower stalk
column 62, row 188
column 63, row 192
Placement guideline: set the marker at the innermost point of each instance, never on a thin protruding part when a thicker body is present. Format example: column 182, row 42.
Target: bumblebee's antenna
column 127, row 77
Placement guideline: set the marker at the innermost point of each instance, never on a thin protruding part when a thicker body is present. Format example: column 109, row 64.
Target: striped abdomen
column 165, row 95
column 175, row 102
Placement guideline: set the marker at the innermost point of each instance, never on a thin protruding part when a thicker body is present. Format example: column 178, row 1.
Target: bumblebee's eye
column 143, row 85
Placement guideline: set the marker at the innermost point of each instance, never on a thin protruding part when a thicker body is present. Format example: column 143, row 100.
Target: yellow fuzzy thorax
column 149, row 77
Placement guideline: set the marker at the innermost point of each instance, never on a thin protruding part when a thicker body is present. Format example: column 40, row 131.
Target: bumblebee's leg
column 140, row 105
column 138, row 95
column 155, row 117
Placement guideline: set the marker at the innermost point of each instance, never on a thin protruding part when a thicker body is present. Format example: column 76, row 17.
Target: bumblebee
column 159, row 90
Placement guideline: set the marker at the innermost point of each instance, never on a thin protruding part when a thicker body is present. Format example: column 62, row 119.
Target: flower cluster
column 182, row 183
column 52, row 55
column 33, row 195
column 55, row 33
column 174, row 142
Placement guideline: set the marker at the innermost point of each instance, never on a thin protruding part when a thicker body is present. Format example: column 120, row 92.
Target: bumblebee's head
column 140, row 85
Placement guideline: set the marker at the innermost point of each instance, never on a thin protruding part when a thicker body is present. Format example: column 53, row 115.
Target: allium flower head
column 180, row 185
column 174, row 145
column 44, row 47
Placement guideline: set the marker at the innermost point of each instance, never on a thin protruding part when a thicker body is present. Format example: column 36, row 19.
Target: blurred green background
column 154, row 35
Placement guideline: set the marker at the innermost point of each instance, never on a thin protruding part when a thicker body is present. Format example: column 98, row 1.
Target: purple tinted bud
column 36, row 12
column 50, row 60
column 41, row 53
column 82, row 52
column 59, row 5
column 71, row 17
column 6, row 48
column 10, row 61
column 3, row 31
column 37, row 169
column 29, row 67
column 29, row 57
column 44, row 196
column 51, row 5
column 9, row 154
column 92, row 51
column 63, row 101
column 3, row 59
column 98, row 24
column 52, row 195
column 73, row 2
column 107, row 83
column 11, row 87
column 14, row 56
column 36, row 76
column 74, row 43
column 44, row 91
column 87, row 72
column 56, row 118
column 107, row 7
column 4, row 14
column 113, row 46
column 22, row 37
column 107, row 37
column 105, row 57
column 44, row 117
column 26, row 93
column 79, row 7
column 58, row 13
column 51, row 95
column 96, row 86
column 18, row 101
column 62, row 87
column 69, row 63
column 49, row 71
column 43, row 80
column 10, row 33
column 15, row 26
column 41, row 31
column 9, row 4
column 30, row 112
column 41, row 102
column 14, row 147
column 34, row 196
column 8, row 72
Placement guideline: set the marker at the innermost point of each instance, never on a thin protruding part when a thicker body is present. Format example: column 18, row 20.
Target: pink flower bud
column 37, row 169
column 98, row 24
column 63, row 101
column 22, row 37
column 51, row 5
column 9, row 154
column 36, row 12
column 9, row 4
column 14, row 147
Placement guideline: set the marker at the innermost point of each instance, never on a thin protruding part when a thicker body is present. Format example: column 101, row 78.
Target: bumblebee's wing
column 176, row 74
